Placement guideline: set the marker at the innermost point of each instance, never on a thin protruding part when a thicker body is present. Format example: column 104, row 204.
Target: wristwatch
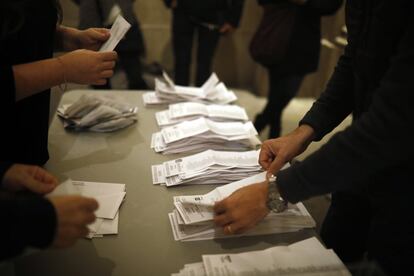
column 275, row 202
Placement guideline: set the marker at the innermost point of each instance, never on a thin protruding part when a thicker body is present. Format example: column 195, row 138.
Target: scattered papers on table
column 307, row 257
column 180, row 112
column 208, row 167
column 192, row 218
column 202, row 134
column 118, row 31
column 212, row 91
column 97, row 113
column 109, row 196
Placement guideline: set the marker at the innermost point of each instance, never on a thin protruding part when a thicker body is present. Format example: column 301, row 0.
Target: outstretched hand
column 21, row 177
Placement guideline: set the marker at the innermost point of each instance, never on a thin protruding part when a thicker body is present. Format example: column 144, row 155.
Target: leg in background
column 183, row 33
column 207, row 44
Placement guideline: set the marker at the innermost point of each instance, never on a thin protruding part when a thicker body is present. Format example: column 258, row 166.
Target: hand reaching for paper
column 26, row 177
column 275, row 153
column 243, row 209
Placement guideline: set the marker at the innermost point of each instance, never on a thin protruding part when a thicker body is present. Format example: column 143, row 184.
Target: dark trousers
column 184, row 29
column 361, row 226
column 282, row 88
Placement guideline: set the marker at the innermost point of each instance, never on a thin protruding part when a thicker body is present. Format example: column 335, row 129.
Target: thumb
column 276, row 165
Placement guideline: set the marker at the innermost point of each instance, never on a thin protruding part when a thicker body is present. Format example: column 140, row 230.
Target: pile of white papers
column 109, row 197
column 208, row 167
column 202, row 134
column 192, row 218
column 307, row 257
column 98, row 113
column 180, row 112
column 212, row 91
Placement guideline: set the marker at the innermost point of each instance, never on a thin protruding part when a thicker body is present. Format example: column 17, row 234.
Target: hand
column 93, row 38
column 226, row 28
column 275, row 153
column 88, row 67
column 174, row 4
column 73, row 214
column 73, row 39
column 26, row 177
column 243, row 209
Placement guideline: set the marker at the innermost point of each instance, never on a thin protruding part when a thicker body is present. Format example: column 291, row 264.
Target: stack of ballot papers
column 202, row 134
column 97, row 113
column 181, row 112
column 307, row 257
column 109, row 196
column 208, row 167
column 212, row 91
column 192, row 218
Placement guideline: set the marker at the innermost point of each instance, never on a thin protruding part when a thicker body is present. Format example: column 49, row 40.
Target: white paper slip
column 158, row 174
column 109, row 205
column 307, row 257
column 118, row 31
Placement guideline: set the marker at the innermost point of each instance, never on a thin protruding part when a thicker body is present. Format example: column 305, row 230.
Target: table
column 145, row 244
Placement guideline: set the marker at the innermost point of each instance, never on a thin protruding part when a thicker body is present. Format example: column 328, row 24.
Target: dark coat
column 212, row 11
column 302, row 54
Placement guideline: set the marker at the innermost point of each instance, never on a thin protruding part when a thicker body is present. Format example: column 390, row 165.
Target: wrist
column 305, row 133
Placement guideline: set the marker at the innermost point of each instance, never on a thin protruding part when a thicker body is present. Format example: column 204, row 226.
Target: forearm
column 20, row 213
column 32, row 78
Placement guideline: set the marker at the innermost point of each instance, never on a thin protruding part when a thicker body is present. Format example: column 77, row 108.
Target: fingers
column 45, row 177
column 267, row 154
column 107, row 74
column 220, row 207
column 222, row 220
column 108, row 56
column 108, row 65
column 276, row 165
column 88, row 204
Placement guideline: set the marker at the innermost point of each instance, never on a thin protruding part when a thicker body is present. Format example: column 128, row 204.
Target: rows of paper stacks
column 307, row 257
column 207, row 167
column 97, row 113
column 180, row 112
column 202, row 134
column 192, row 218
column 212, row 91
column 109, row 197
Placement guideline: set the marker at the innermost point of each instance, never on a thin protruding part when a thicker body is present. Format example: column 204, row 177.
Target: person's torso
column 25, row 138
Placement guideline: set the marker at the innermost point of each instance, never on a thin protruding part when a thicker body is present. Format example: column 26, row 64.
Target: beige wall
column 232, row 63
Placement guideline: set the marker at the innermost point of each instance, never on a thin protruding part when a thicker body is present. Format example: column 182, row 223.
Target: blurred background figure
column 131, row 50
column 209, row 19
column 292, row 28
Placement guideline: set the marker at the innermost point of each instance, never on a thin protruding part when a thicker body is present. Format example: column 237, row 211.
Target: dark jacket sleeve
column 323, row 7
column 4, row 166
column 27, row 221
column 234, row 13
column 8, row 95
column 380, row 139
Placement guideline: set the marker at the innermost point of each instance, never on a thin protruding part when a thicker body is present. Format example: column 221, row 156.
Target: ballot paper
column 307, row 257
column 208, row 167
column 212, row 91
column 189, row 111
column 109, row 197
column 118, row 31
column 97, row 113
column 201, row 134
column 192, row 218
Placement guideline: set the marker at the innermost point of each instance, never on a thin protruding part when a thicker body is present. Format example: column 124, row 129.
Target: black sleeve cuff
column 4, row 166
column 37, row 215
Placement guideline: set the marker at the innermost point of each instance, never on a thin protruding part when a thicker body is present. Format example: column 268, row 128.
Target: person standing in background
column 300, row 55
column 102, row 13
column 209, row 19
